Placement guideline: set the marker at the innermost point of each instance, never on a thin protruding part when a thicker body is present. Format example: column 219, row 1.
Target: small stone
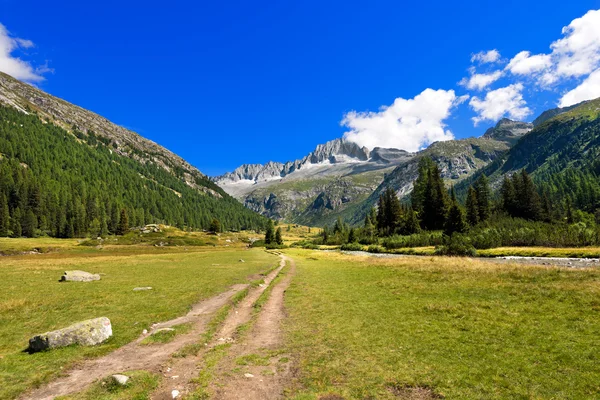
column 249, row 375
column 242, row 260
column 145, row 332
column 120, row 379
column 137, row 289
column 175, row 377
column 175, row 394
column 79, row 276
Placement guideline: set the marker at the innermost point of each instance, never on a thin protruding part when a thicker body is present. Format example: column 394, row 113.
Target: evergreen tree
column 215, row 226
column 455, row 221
column 278, row 237
column 270, row 233
column 352, row 236
column 29, row 224
column 325, row 234
column 4, row 216
column 472, row 207
column 508, row 195
column 529, row 198
column 123, row 226
column 483, row 196
column 393, row 212
column 569, row 207
column 15, row 225
column 381, row 214
column 410, row 224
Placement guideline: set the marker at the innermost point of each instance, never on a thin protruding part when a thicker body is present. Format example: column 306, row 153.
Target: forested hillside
column 71, row 184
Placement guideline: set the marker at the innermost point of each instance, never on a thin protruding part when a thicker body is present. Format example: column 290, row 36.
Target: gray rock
column 85, row 333
column 137, row 289
column 120, row 379
column 79, row 276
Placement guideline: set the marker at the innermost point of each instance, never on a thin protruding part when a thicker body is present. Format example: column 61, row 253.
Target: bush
column 258, row 243
column 376, row 249
column 416, row 240
column 352, row 247
column 275, row 246
column 456, row 245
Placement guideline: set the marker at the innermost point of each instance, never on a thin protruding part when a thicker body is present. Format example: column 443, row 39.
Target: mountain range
column 342, row 179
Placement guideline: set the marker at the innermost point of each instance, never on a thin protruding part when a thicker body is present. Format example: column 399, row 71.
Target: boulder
column 79, row 276
column 120, row 379
column 85, row 333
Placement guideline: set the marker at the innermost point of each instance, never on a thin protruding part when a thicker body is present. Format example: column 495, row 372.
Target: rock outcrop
column 79, row 276
column 85, row 333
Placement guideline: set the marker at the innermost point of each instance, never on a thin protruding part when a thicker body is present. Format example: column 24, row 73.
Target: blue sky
column 226, row 83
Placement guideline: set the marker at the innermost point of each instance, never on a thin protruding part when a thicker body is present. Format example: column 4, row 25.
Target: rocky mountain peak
column 508, row 130
column 338, row 150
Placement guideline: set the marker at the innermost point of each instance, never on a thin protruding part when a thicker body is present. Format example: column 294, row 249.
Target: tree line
column 62, row 184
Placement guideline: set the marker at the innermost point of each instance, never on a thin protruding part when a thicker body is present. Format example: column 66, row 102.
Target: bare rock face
column 85, row 333
column 79, row 276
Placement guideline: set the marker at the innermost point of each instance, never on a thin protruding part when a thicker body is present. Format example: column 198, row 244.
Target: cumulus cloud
column 13, row 65
column 578, row 53
column 408, row 124
column 506, row 101
column 484, row 57
column 526, row 64
column 589, row 89
column 481, row 81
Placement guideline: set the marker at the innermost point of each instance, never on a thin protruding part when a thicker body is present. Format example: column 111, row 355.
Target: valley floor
column 303, row 324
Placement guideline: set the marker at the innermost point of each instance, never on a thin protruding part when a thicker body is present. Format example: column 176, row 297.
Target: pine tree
column 529, row 198
column 325, row 234
column 507, row 192
column 410, row 223
column 15, row 225
column 393, row 212
column 4, row 216
column 270, row 233
column 472, row 207
column 455, row 221
column 215, row 226
column 381, row 215
column 278, row 237
column 569, row 207
column 483, row 196
column 29, row 224
column 123, row 226
column 352, row 236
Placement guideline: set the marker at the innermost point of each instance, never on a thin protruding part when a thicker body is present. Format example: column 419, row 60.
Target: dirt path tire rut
column 179, row 373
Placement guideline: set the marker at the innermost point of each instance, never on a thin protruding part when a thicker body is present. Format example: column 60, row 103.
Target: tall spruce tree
column 123, row 226
column 472, row 207
column 278, row 236
column 483, row 194
column 4, row 216
column 270, row 233
column 455, row 220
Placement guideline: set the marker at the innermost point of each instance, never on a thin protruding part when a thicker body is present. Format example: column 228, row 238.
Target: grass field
column 363, row 327
column 32, row 300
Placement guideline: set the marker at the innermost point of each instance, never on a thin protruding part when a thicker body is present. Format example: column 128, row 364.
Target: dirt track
column 178, row 373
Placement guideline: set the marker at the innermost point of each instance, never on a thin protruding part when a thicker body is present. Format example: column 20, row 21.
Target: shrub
column 456, row 245
column 352, row 247
column 375, row 249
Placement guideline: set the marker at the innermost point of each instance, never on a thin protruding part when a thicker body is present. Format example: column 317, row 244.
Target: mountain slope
column 65, row 171
column 567, row 142
column 332, row 178
column 457, row 159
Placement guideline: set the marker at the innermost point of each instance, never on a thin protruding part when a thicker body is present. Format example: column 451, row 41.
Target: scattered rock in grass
column 137, row 289
column 242, row 260
column 85, row 333
column 249, row 375
column 175, row 394
column 79, row 276
column 120, row 379
column 145, row 332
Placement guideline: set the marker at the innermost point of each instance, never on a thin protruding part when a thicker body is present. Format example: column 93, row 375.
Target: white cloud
column 13, row 65
column 407, row 124
column 589, row 89
column 526, row 64
column 481, row 81
column 484, row 57
column 578, row 53
column 506, row 101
